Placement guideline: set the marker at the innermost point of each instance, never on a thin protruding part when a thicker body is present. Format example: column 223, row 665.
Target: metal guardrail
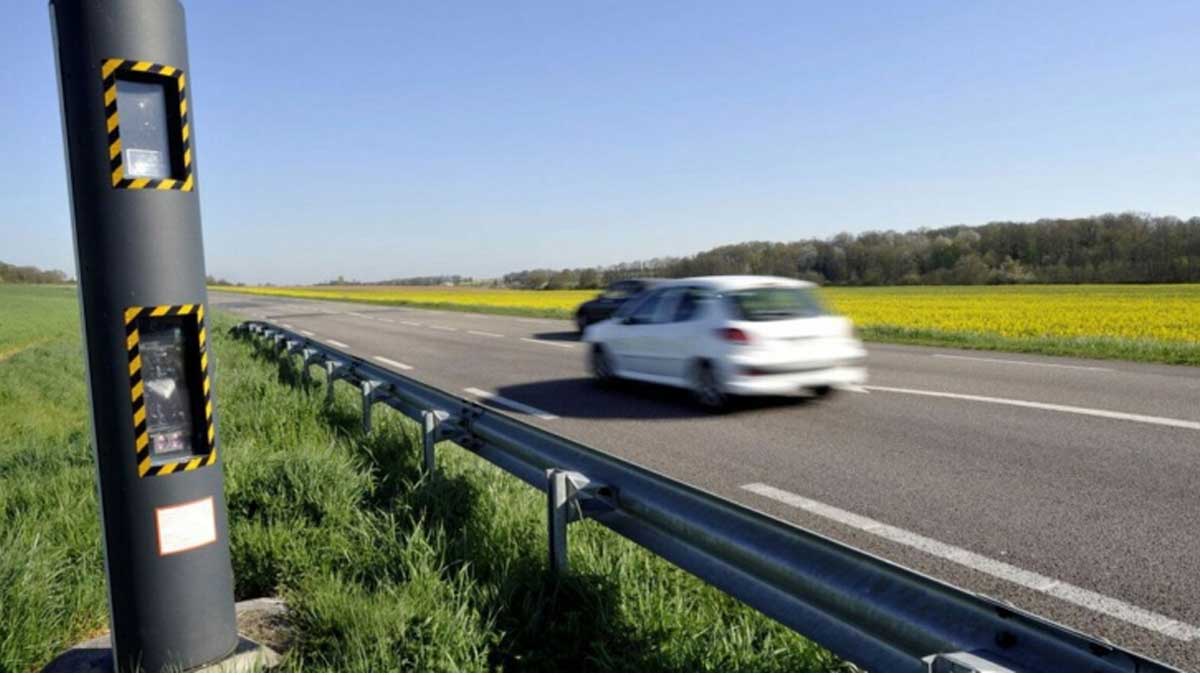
column 878, row 614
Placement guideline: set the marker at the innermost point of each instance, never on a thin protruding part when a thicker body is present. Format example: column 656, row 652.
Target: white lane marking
column 307, row 333
column 385, row 320
column 411, row 323
column 447, row 328
column 560, row 345
column 1094, row 412
column 395, row 364
column 335, row 343
column 361, row 316
column 484, row 333
column 857, row 389
column 1021, row 363
column 509, row 403
column 1091, row 600
column 286, row 325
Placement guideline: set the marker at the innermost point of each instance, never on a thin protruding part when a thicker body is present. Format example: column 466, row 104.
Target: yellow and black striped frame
column 109, row 70
column 145, row 465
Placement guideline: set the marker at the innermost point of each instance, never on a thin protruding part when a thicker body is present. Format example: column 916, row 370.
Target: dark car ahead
column 608, row 302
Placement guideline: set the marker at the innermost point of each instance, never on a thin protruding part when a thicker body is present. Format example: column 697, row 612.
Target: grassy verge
column 385, row 570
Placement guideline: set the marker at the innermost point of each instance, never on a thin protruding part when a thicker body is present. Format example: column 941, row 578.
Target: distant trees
column 439, row 280
column 1109, row 248
column 14, row 274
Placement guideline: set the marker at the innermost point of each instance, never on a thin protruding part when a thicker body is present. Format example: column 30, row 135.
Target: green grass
column 384, row 570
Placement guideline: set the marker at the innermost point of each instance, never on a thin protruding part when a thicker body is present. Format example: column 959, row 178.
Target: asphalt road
column 1067, row 487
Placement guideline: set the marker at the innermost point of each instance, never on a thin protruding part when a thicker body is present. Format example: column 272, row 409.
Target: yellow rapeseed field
column 1155, row 312
column 1144, row 322
column 1165, row 313
column 554, row 303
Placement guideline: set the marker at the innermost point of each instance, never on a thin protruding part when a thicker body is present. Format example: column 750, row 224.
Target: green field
column 383, row 570
column 1155, row 323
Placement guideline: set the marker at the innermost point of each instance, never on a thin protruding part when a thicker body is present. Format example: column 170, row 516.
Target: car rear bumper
column 783, row 384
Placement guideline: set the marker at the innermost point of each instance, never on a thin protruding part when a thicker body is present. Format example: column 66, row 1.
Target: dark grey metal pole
column 125, row 89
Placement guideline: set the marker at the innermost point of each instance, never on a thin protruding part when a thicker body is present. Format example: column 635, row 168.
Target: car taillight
column 734, row 335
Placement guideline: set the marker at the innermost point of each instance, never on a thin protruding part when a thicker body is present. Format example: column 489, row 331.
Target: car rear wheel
column 602, row 367
column 822, row 391
column 706, row 388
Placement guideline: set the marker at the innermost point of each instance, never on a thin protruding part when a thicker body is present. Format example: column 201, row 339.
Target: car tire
column 706, row 388
column 581, row 322
column 822, row 391
column 602, row 366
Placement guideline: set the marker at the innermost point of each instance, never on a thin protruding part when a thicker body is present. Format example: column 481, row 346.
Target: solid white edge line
column 335, row 343
column 547, row 342
column 1094, row 412
column 1021, row 363
column 395, row 364
column 484, row 333
column 1091, row 600
column 509, row 403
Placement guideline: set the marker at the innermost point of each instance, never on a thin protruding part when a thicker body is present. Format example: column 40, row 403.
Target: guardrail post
column 570, row 496
column 333, row 371
column 557, row 511
column 431, row 422
column 310, row 357
column 369, row 389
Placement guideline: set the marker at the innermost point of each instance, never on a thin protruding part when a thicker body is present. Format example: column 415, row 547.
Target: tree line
column 438, row 280
column 1108, row 248
column 28, row 274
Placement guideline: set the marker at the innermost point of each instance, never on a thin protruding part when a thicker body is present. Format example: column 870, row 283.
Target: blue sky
column 385, row 139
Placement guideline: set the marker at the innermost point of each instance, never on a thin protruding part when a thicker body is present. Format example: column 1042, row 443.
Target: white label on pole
column 145, row 164
column 185, row 526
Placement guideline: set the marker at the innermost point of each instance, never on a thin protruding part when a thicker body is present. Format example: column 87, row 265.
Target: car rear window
column 775, row 303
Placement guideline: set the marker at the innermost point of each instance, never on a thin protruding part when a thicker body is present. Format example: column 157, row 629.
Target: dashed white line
column 307, row 333
column 560, row 345
column 286, row 325
column 509, row 403
column 361, row 316
column 1021, row 363
column 412, row 323
column 384, row 320
column 395, row 364
column 484, row 333
column 1082, row 597
column 1076, row 410
column 335, row 343
column 445, row 328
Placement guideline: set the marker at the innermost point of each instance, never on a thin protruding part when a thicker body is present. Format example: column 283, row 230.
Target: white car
column 729, row 335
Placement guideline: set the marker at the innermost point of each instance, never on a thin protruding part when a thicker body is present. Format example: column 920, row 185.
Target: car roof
column 732, row 282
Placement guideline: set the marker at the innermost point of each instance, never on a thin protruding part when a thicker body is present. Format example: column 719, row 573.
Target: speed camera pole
column 125, row 89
